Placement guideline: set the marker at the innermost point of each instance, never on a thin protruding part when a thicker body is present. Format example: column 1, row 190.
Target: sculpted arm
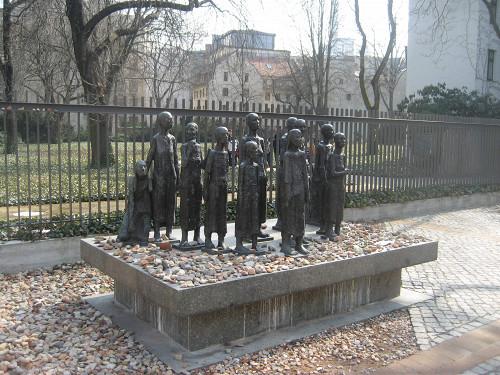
column 151, row 153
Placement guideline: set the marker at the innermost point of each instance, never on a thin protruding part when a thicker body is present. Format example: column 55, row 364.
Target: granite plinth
column 206, row 315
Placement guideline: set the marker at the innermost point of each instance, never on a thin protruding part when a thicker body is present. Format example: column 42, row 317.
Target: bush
column 31, row 125
column 70, row 226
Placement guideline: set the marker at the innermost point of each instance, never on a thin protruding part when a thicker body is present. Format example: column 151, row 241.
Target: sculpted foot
column 261, row 234
column 209, row 244
column 241, row 250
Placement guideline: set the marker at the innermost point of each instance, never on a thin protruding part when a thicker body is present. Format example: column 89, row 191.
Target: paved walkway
column 459, row 328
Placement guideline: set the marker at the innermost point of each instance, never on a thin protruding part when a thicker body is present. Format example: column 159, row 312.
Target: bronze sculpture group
column 155, row 198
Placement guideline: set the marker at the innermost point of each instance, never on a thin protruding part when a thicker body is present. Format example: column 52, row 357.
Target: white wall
column 443, row 55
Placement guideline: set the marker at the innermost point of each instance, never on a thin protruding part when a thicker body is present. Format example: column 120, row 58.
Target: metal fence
column 50, row 179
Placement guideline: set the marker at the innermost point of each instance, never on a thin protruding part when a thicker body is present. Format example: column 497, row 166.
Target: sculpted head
column 165, row 120
column 140, row 168
column 301, row 125
column 327, row 131
column 290, row 123
column 191, row 131
column 221, row 135
column 339, row 139
column 253, row 122
column 295, row 138
column 251, row 150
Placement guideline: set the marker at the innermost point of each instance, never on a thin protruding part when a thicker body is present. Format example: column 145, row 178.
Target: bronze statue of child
column 283, row 143
column 163, row 152
column 335, row 192
column 136, row 223
column 190, row 186
column 253, row 123
column 318, row 186
column 295, row 192
column 247, row 208
column 215, row 192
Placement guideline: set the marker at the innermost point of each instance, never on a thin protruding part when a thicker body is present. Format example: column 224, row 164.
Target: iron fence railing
column 50, row 178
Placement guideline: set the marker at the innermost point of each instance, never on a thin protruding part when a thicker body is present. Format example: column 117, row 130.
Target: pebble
column 191, row 269
column 60, row 333
column 47, row 327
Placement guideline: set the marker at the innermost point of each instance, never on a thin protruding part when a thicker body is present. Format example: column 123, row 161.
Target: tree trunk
column 100, row 144
column 372, row 146
column 10, row 146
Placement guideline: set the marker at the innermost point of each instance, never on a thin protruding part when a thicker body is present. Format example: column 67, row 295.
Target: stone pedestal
column 207, row 315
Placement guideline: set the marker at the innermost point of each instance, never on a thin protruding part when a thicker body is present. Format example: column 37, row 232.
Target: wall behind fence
column 52, row 177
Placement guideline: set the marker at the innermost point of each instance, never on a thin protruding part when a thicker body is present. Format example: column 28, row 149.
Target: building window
column 226, row 76
column 349, row 97
column 288, row 97
column 491, row 61
column 268, row 96
column 246, row 93
column 246, row 77
column 277, row 96
column 494, row 6
column 225, row 91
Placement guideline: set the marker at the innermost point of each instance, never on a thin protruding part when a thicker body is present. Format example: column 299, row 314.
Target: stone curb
column 18, row 256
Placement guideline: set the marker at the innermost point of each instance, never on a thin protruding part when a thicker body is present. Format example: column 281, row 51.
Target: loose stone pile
column 47, row 328
column 190, row 269
column 354, row 349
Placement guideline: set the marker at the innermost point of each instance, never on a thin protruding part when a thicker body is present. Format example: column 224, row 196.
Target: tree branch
column 493, row 20
column 116, row 7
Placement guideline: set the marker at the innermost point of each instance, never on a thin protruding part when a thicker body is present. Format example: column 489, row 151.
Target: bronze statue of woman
column 190, row 186
column 163, row 155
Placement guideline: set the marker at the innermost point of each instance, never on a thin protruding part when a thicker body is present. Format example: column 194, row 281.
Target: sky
column 285, row 19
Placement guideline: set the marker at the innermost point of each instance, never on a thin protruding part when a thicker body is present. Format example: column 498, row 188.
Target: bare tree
column 377, row 75
column 45, row 41
column 311, row 74
column 439, row 12
column 103, row 36
column 166, row 62
column 11, row 13
column 391, row 76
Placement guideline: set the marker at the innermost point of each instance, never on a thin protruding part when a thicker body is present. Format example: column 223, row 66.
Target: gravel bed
column 357, row 348
column 194, row 268
column 46, row 327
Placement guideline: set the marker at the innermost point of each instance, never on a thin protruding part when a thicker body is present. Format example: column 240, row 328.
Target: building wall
column 455, row 54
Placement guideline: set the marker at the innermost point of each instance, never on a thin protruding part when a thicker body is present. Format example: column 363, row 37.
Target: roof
column 270, row 67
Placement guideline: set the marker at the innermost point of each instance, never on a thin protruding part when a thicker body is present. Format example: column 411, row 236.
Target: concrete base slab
column 166, row 348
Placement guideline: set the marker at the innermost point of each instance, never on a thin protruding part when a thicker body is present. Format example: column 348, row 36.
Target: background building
column 459, row 49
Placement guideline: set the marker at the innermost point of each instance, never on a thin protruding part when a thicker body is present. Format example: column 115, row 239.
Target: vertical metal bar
column 79, row 146
column 39, row 172
column 7, row 198
column 18, row 175
column 98, row 166
column 28, row 166
column 70, row 169
column 59, row 162
column 349, row 154
column 49, row 162
column 392, row 156
column 108, row 152
column 125, row 148
column 89, row 166
column 143, row 129
column 134, row 128
column 399, row 164
column 117, row 166
column 271, row 157
column 365, row 178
